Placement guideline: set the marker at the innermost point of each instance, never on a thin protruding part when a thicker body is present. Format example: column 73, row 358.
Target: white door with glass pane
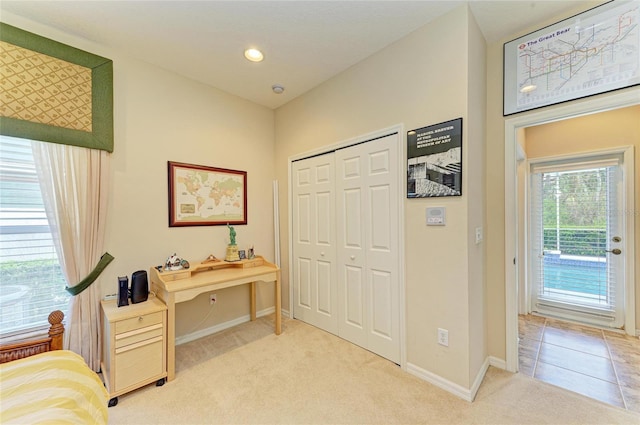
column 577, row 240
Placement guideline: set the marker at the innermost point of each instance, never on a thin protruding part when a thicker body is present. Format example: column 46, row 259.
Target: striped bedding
column 54, row 387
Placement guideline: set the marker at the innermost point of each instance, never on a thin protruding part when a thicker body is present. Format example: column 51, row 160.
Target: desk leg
column 253, row 301
column 171, row 336
column 278, row 305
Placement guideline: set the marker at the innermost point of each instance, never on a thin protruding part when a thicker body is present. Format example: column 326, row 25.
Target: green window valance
column 53, row 92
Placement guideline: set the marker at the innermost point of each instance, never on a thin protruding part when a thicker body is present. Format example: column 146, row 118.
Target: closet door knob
column 322, row 254
column 353, row 257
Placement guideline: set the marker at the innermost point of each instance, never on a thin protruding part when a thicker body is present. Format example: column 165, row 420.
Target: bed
column 41, row 383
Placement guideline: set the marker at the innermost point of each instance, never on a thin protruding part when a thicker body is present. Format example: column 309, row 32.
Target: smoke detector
column 277, row 88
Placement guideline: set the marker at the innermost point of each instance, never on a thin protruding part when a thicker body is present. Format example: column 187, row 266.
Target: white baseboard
column 497, row 363
column 221, row 326
column 468, row 394
column 479, row 377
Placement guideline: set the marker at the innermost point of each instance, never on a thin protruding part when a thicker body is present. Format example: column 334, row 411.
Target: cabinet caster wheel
column 113, row 401
column 160, row 382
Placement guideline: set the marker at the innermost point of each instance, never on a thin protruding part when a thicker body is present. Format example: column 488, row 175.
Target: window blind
column 573, row 220
column 31, row 280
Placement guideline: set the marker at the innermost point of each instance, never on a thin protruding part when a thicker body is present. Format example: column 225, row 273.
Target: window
column 31, row 280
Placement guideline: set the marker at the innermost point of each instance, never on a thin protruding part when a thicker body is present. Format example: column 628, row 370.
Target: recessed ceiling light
column 254, row 55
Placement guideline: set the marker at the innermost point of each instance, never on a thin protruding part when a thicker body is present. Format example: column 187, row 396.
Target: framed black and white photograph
column 434, row 160
column 594, row 52
column 242, row 254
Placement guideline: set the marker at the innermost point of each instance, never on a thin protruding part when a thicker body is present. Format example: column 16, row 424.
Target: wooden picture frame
column 593, row 52
column 206, row 196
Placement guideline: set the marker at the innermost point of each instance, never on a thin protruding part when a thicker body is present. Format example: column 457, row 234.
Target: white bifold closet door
column 355, row 284
column 314, row 245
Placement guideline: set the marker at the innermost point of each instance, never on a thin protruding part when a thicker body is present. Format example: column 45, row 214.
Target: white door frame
column 511, row 126
column 399, row 129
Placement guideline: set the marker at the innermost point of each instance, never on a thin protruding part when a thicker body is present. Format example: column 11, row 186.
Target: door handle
column 353, row 257
column 615, row 251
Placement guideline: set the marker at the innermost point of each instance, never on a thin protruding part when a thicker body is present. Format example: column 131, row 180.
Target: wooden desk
column 184, row 285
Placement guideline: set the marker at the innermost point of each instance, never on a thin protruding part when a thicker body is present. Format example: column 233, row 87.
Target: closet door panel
column 352, row 219
column 383, row 250
column 380, row 208
column 303, row 277
column 381, row 319
column 369, row 245
column 325, row 288
column 313, row 216
column 351, row 259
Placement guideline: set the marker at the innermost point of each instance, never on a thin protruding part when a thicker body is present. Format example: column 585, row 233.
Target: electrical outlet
column 213, row 298
column 443, row 337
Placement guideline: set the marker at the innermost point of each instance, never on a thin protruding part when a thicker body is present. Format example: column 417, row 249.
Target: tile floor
column 599, row 364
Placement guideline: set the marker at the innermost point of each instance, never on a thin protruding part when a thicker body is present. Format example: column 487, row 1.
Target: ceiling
column 304, row 42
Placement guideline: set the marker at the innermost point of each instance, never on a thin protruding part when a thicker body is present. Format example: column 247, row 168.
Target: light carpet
column 248, row 375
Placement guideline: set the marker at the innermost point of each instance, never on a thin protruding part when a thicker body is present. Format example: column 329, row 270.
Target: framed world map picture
column 206, row 196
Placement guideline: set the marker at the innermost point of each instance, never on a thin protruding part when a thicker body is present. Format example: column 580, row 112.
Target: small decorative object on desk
column 175, row 263
column 232, row 248
column 210, row 259
column 242, row 254
column 250, row 254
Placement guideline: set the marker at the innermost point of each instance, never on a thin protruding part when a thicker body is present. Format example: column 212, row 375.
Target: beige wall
column 418, row 81
column 605, row 130
column 160, row 117
column 476, row 188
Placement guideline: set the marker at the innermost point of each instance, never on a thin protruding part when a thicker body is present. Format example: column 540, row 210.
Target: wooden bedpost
column 24, row 349
column 56, row 331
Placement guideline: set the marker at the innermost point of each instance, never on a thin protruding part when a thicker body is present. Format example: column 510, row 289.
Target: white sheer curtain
column 74, row 184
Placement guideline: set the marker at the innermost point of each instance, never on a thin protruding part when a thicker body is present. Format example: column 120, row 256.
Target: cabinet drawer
column 137, row 335
column 138, row 322
column 139, row 364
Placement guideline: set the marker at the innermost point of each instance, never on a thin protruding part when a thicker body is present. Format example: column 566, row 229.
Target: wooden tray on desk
column 171, row 275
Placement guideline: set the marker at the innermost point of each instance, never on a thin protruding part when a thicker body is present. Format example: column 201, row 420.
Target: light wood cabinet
column 134, row 346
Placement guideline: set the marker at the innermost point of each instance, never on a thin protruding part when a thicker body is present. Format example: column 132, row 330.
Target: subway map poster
column 594, row 52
